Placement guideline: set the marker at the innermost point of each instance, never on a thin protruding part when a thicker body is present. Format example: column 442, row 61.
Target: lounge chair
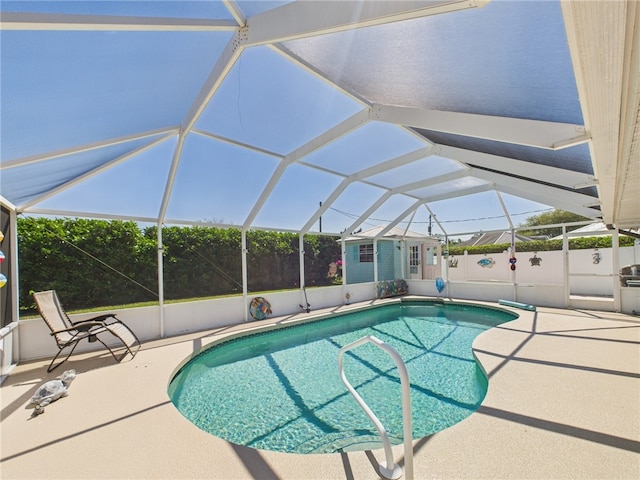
column 68, row 334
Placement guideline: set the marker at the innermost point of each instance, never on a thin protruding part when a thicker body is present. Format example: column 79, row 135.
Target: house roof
column 395, row 233
column 278, row 114
column 492, row 238
column 593, row 230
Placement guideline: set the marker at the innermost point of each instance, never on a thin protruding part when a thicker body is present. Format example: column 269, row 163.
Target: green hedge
column 542, row 245
column 94, row 263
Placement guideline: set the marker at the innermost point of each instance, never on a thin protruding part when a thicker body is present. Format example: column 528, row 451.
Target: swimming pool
column 281, row 390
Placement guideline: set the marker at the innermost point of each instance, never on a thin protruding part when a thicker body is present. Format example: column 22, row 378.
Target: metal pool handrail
column 388, row 469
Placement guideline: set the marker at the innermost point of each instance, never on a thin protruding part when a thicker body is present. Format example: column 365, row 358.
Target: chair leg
column 118, row 329
column 52, row 367
column 109, row 348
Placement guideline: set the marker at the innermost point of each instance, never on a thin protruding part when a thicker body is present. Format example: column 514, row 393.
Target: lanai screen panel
column 508, row 58
column 80, row 87
column 268, row 102
column 291, row 124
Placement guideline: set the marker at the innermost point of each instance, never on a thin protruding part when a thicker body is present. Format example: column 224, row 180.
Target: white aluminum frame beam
column 225, row 63
column 398, row 219
column 596, row 34
column 504, row 209
column 85, row 148
column 177, row 154
column 543, row 173
column 112, row 23
column 531, row 133
column 435, row 219
column 307, row 19
column 325, row 138
column 221, row 69
column 459, row 193
column 427, row 182
column 237, row 143
column 537, row 192
column 92, row 173
column 365, row 173
column 235, row 11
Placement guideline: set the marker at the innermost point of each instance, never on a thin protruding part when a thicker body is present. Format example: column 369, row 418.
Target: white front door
column 430, row 263
column 415, row 271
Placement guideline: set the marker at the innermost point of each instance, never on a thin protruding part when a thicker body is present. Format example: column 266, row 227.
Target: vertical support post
column 15, row 281
column 244, row 274
column 615, row 265
column 343, row 256
column 301, row 256
column 513, row 272
column 565, row 258
column 160, row 278
column 375, row 260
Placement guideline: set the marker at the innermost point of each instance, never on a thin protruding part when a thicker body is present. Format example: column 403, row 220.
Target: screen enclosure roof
column 329, row 116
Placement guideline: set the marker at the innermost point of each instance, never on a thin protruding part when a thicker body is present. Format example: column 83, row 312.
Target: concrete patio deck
column 563, row 402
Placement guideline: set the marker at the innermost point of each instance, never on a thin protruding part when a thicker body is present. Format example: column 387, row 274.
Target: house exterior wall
column 356, row 271
column 360, row 272
column 386, row 260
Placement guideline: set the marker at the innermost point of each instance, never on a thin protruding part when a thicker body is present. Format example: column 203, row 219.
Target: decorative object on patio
column 306, row 301
column 524, row 306
column 51, row 391
column 391, row 288
column 630, row 276
column 440, row 284
column 260, row 308
column 69, row 334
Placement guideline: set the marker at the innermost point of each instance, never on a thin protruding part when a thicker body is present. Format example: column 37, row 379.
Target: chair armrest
column 99, row 318
column 81, row 326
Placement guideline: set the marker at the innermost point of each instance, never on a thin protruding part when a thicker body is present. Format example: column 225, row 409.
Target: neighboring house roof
column 492, row 238
column 592, row 230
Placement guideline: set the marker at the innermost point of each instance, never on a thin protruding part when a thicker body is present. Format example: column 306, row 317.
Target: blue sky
column 62, row 90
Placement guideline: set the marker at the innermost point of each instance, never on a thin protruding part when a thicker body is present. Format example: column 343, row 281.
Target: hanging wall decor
column 487, row 262
column 596, row 257
column 535, row 260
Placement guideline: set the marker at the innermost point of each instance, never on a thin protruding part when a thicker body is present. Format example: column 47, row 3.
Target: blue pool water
column 281, row 390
